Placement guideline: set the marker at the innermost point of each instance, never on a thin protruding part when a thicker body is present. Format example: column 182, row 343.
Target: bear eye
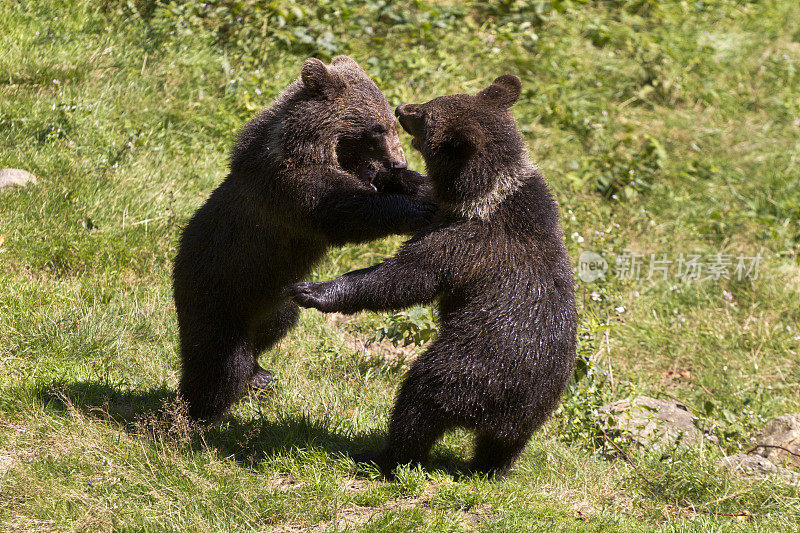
column 376, row 130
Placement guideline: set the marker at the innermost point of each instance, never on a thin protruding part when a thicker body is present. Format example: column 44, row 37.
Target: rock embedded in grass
column 781, row 439
column 777, row 444
column 757, row 466
column 15, row 176
column 651, row 422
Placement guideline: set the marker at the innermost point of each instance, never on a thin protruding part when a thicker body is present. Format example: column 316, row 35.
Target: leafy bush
column 588, row 390
column 253, row 29
column 625, row 169
column 416, row 326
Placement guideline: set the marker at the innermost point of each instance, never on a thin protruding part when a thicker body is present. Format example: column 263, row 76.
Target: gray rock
column 15, row 176
column 652, row 422
column 757, row 466
column 784, row 431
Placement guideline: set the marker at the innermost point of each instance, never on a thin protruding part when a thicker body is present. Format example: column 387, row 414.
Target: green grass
column 126, row 115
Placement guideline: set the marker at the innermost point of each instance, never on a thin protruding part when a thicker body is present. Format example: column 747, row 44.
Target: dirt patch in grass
column 21, row 447
column 7, row 461
column 356, row 516
column 349, row 517
column 384, row 350
column 354, row 486
column 289, row 528
column 284, row 484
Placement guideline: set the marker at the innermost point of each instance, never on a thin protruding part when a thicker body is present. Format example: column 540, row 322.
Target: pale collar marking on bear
column 481, row 208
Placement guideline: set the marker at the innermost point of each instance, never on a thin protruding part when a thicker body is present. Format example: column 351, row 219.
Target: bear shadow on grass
column 154, row 413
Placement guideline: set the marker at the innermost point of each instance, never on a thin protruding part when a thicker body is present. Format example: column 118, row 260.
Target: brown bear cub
column 322, row 166
column 496, row 260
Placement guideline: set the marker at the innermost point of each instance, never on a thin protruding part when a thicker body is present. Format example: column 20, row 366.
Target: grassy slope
column 126, row 117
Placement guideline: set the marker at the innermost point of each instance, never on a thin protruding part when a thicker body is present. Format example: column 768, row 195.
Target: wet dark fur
column 498, row 266
column 304, row 175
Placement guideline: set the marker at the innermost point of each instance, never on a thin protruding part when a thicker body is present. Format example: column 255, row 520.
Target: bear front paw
column 424, row 216
column 308, row 294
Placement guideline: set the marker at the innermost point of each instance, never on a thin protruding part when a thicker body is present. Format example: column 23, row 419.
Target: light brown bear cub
column 322, row 166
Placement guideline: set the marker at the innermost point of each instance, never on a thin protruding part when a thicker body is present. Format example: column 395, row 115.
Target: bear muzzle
column 397, row 156
column 410, row 118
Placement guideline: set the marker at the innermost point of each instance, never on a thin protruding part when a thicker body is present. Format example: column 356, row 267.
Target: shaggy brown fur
column 322, row 166
column 497, row 264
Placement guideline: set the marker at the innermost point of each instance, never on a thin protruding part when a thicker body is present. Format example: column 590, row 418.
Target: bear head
column 473, row 151
column 336, row 114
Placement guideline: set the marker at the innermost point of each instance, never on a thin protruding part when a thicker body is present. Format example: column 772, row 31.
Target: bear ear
column 344, row 60
column 317, row 78
column 503, row 92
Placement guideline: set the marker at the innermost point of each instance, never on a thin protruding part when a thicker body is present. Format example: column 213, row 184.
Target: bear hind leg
column 271, row 330
column 414, row 428
column 494, row 455
column 214, row 375
column 412, row 434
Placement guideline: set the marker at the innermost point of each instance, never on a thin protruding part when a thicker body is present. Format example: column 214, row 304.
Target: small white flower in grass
column 727, row 295
column 620, row 309
column 725, row 368
column 56, row 82
column 258, row 91
column 577, row 237
column 594, row 296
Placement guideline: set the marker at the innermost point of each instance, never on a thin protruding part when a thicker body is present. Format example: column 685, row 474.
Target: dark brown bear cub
column 497, row 263
column 313, row 170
